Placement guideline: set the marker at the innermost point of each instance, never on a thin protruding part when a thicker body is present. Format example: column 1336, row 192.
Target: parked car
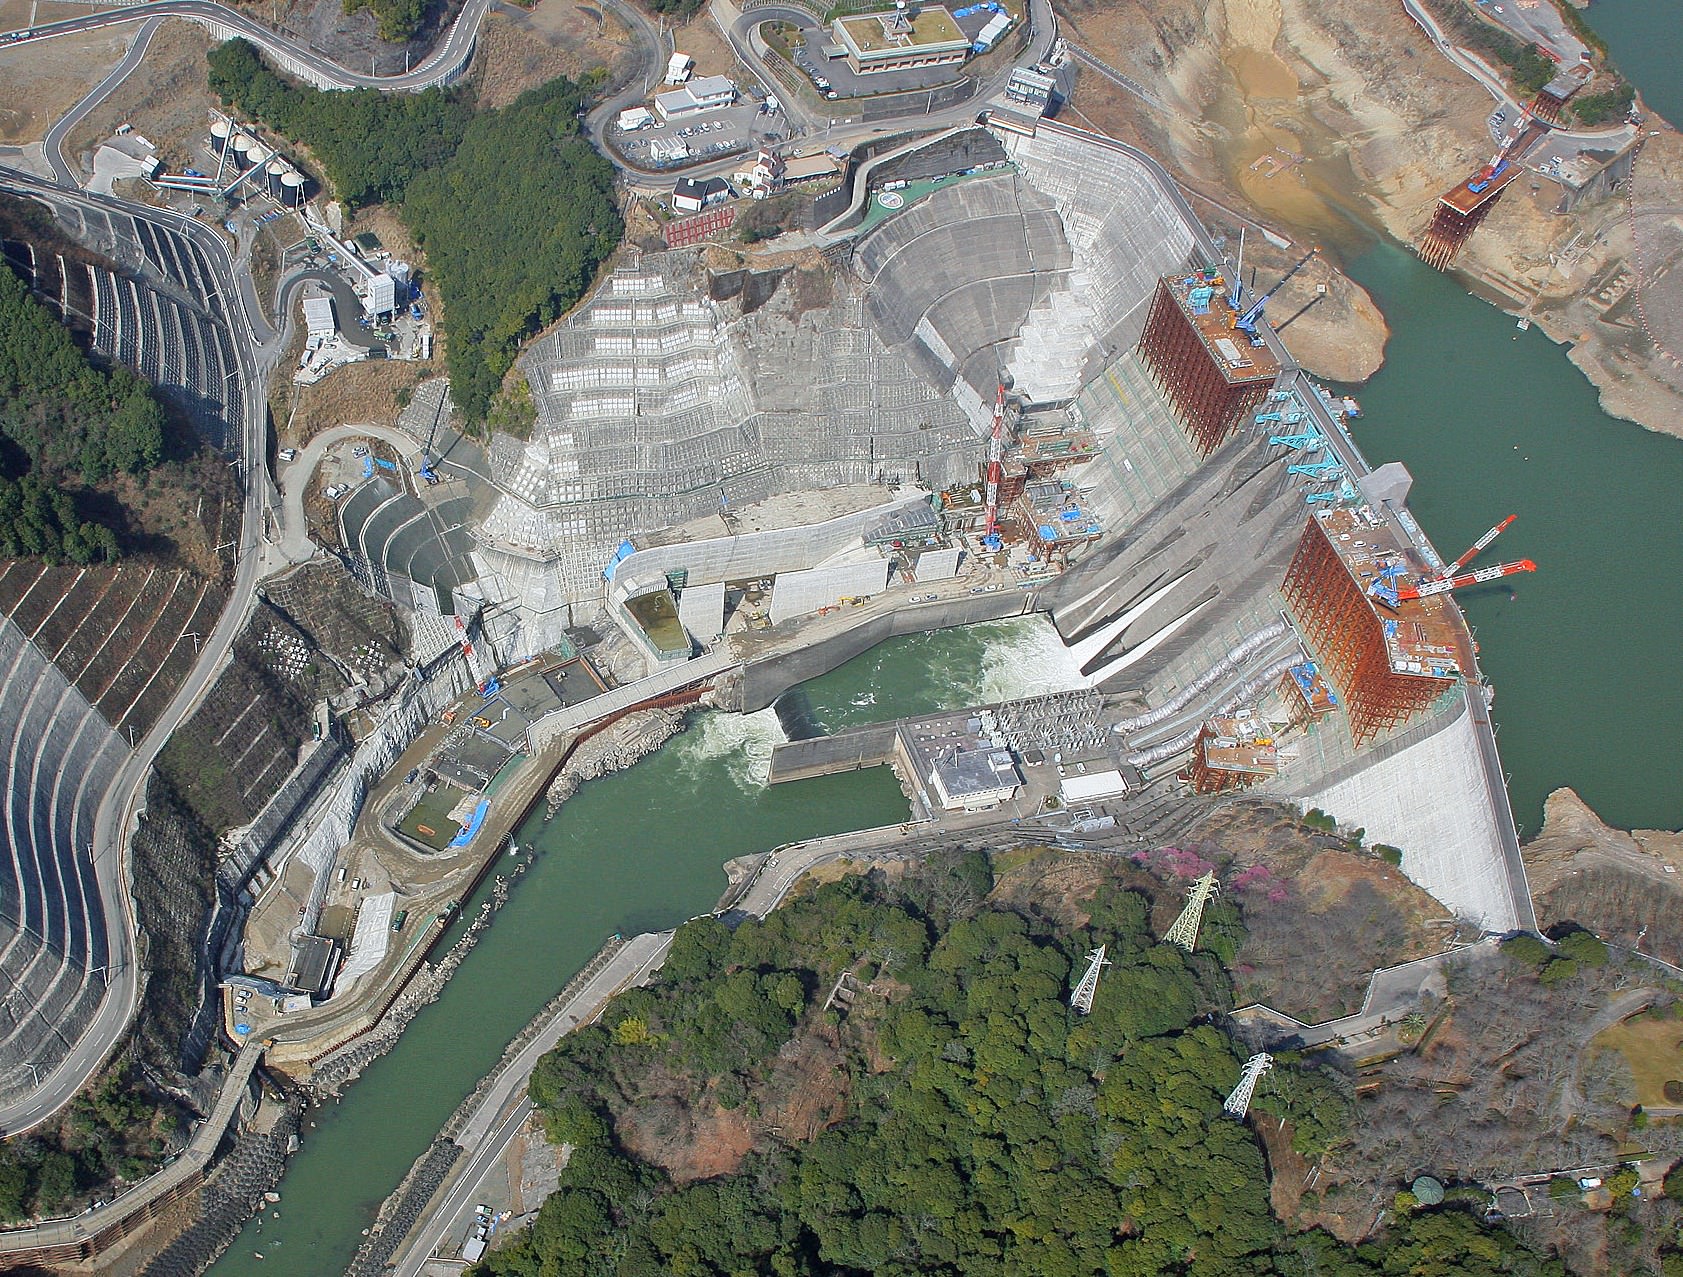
column 287, row 454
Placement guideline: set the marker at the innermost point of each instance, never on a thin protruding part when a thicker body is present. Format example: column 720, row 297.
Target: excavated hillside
column 1314, row 111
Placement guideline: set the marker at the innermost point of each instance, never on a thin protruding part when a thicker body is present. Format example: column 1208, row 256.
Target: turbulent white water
column 744, row 741
column 1026, row 657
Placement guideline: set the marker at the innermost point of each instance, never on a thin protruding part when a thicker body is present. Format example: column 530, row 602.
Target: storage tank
column 245, row 151
column 219, row 133
column 292, row 188
column 399, row 271
column 277, row 169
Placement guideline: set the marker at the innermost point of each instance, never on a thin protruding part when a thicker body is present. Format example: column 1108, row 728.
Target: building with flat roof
column 1030, row 89
column 318, row 317
column 901, row 39
column 312, row 965
column 702, row 94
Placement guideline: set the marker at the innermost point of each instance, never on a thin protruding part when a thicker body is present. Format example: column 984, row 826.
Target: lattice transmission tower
column 1082, row 999
column 1185, row 931
column 1239, row 1100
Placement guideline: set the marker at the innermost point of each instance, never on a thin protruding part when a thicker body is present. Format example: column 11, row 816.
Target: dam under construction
column 1037, row 388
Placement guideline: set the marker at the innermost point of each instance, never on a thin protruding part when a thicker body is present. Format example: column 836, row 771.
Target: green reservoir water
column 638, row 851
column 1645, row 39
column 1585, row 653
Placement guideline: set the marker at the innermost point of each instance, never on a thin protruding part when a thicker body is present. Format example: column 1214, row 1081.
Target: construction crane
column 1499, row 161
column 1385, row 589
column 1284, row 418
column 1308, row 439
column 1479, row 546
column 1326, row 468
column 996, row 459
column 1246, row 322
column 1444, row 584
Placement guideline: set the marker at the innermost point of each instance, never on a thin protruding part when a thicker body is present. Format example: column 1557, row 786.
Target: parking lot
column 712, row 135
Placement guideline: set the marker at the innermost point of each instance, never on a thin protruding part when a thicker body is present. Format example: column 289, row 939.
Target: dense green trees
column 514, row 208
column 370, row 144
column 398, row 19
column 987, row 1130
column 63, row 412
column 115, row 1128
column 514, row 224
column 65, row 420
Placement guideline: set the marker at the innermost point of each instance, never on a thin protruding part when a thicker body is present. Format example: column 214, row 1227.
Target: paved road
column 295, row 543
column 488, row 1137
column 444, row 64
column 53, row 146
column 126, row 798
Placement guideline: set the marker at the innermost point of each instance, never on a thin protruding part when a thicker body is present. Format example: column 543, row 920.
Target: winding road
column 443, row 65
column 126, row 798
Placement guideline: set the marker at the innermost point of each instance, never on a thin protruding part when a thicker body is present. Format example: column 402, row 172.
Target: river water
column 1490, row 421
column 640, row 850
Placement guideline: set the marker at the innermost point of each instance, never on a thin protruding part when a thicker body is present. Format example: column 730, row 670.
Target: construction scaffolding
column 1388, row 668
column 1207, row 368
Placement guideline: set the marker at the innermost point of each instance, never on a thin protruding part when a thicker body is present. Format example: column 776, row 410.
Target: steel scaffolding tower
column 1081, row 1001
column 1239, row 1100
column 1185, row 931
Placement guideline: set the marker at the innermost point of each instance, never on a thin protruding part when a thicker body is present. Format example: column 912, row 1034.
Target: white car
column 287, row 454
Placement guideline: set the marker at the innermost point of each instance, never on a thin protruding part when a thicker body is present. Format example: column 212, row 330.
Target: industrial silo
column 276, row 171
column 219, row 132
column 399, row 271
column 292, row 188
column 245, row 151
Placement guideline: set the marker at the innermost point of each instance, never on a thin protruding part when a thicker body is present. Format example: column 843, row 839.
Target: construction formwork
column 1209, row 400
column 1458, row 214
column 1337, row 618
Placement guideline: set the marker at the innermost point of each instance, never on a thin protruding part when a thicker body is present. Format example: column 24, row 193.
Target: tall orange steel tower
column 1388, row 663
column 1207, row 367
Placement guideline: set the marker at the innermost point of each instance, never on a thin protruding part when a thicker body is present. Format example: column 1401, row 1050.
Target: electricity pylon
column 1239, row 1101
column 1185, row 931
column 1082, row 999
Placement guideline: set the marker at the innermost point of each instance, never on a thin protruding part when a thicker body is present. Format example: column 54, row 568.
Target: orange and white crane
column 1386, row 589
column 1444, row 584
column 996, row 464
column 1479, row 546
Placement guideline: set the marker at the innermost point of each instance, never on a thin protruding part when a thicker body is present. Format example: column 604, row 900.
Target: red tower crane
column 996, row 459
column 1479, row 546
column 1444, row 584
column 1451, row 578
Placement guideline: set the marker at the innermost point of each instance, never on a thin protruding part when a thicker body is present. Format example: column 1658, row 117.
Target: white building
column 679, row 67
column 318, row 318
column 704, row 93
column 691, row 195
column 972, row 778
column 637, row 117
column 380, row 295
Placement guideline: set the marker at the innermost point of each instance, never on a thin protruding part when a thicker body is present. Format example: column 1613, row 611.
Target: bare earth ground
column 167, row 100
column 1384, row 125
column 517, row 52
column 41, row 81
column 1620, row 885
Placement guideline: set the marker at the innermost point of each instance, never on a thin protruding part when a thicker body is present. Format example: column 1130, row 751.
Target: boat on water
column 1524, row 324
column 1351, row 407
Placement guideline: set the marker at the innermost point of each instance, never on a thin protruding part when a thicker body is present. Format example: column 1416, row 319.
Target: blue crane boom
column 1246, row 323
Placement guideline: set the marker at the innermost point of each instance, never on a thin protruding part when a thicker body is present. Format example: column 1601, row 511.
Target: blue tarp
column 472, row 827
column 625, row 551
column 389, row 465
column 367, row 468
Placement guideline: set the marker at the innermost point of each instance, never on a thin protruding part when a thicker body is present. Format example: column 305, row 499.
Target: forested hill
column 944, row 1113
column 514, row 208
column 63, row 421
